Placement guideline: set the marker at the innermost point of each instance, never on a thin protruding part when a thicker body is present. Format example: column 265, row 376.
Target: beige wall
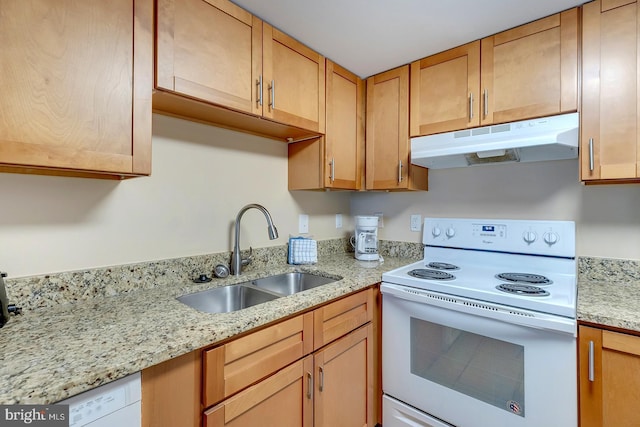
column 201, row 177
column 607, row 217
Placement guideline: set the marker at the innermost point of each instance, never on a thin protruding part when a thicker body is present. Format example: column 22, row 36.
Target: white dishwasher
column 115, row 404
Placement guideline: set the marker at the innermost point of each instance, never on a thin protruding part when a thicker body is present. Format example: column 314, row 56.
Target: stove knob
column 551, row 238
column 529, row 237
column 435, row 232
column 450, row 232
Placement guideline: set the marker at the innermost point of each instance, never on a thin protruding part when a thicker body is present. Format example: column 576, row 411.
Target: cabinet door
column 445, row 91
column 294, row 81
column 337, row 159
column 236, row 365
column 283, row 400
column 387, row 143
column 609, row 125
column 344, row 381
column 531, row 71
column 74, row 96
column 210, row 50
column 344, row 165
column 610, row 396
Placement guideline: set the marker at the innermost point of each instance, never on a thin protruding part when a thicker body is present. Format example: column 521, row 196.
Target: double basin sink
column 230, row 298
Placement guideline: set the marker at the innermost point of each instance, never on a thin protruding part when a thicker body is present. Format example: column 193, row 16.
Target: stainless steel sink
column 291, row 283
column 227, row 298
column 247, row 294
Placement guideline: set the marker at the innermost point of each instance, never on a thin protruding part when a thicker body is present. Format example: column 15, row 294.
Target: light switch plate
column 338, row 220
column 303, row 223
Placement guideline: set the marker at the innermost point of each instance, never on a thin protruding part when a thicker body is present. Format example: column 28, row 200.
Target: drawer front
column 283, row 400
column 341, row 317
column 242, row 362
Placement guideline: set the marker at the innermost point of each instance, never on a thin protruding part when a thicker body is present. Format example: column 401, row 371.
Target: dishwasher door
column 115, row 404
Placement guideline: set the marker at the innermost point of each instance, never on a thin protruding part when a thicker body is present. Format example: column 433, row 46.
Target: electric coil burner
column 443, row 266
column 531, row 279
column 520, row 289
column 424, row 273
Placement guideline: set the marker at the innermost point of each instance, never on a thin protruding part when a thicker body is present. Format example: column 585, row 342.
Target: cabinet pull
column 470, row 106
column 259, row 85
column 309, row 385
column 321, row 374
column 591, row 166
column 592, row 363
column 272, row 95
column 485, row 102
column 332, row 172
column 400, row 172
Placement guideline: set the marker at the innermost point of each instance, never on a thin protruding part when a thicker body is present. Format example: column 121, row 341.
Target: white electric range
column 486, row 322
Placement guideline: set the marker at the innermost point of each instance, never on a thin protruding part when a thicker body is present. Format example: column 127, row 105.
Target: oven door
column 473, row 364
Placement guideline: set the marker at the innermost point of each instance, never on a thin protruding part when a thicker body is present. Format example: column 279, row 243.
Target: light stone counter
column 609, row 293
column 51, row 353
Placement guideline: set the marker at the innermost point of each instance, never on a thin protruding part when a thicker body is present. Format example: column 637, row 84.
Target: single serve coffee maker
column 365, row 240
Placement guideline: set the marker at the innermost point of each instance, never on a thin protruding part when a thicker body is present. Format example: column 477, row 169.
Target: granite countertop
column 49, row 354
column 612, row 304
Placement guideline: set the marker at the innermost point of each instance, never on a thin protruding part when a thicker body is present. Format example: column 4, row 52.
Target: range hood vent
column 548, row 138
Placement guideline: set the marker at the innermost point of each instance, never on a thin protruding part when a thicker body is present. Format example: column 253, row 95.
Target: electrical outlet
column 380, row 219
column 416, row 222
column 338, row 220
column 303, row 224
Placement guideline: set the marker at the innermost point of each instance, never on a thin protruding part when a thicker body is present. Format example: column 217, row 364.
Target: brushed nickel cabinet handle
column 272, row 95
column 332, row 173
column 485, row 94
column 309, row 385
column 400, row 171
column 470, row 106
column 259, row 85
column 591, row 165
column 592, row 363
column 321, row 373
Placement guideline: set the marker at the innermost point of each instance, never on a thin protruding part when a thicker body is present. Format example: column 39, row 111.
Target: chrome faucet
column 236, row 259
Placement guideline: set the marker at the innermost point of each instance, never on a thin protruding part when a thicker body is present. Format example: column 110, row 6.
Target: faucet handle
column 247, row 261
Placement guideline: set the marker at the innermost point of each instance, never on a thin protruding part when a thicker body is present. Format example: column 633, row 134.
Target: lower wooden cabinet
column 315, row 369
column 344, row 375
column 609, row 364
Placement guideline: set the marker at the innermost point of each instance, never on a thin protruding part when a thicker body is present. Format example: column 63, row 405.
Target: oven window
column 480, row 367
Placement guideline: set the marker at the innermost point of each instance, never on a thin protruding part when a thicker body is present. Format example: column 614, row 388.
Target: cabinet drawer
column 283, row 399
column 341, row 317
column 233, row 366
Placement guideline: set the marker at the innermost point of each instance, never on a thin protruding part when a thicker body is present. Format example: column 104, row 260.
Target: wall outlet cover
column 303, row 224
column 338, row 220
column 416, row 222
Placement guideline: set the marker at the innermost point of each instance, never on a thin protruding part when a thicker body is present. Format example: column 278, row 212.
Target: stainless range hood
column 548, row 138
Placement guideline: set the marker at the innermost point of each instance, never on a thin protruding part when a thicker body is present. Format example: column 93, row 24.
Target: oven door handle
column 479, row 308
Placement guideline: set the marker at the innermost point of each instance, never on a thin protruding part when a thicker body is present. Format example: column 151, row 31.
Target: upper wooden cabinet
column 445, row 91
column 217, row 63
column 609, row 383
column 388, row 160
column 76, row 87
column 336, row 160
column 609, row 150
column 526, row 72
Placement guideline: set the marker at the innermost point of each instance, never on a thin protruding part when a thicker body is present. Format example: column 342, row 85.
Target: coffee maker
column 365, row 240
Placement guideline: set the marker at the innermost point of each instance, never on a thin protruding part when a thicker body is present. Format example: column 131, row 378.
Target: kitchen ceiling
column 370, row 36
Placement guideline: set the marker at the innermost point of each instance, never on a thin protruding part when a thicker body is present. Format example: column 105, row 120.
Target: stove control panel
column 552, row 238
